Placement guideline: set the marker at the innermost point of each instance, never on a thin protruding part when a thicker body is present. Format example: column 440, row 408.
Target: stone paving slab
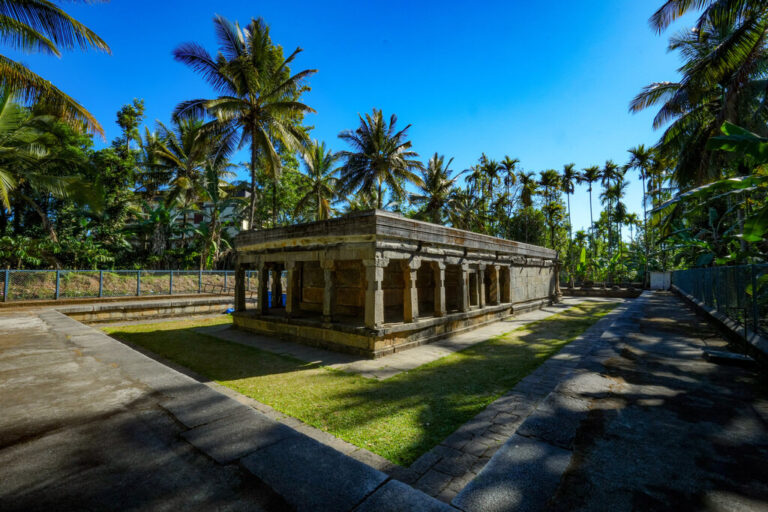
column 522, row 477
column 237, row 435
column 314, row 477
column 396, row 496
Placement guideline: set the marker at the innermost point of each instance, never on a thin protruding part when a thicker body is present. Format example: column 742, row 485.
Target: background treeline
column 163, row 195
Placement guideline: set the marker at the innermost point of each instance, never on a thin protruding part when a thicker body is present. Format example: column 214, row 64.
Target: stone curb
column 308, row 474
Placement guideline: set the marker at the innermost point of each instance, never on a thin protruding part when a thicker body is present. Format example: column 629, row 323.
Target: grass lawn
column 399, row 418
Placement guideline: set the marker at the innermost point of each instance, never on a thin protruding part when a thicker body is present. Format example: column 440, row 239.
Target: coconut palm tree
column 28, row 145
column 321, row 177
column 589, row 176
column 152, row 174
column 528, row 187
column 608, row 176
column 214, row 194
column 259, row 104
column 642, row 159
column 464, row 210
column 183, row 151
column 568, row 180
column 40, row 26
column 722, row 80
column 435, row 193
column 550, row 182
column 490, row 169
column 380, row 157
column 509, row 166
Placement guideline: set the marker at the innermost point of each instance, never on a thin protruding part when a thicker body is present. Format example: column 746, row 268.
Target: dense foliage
column 166, row 197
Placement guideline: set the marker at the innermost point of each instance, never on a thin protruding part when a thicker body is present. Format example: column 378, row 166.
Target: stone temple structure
column 373, row 283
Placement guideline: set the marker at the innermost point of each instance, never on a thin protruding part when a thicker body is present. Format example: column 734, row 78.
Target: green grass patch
column 399, row 418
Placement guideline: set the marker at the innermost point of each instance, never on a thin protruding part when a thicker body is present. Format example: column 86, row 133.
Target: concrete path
column 627, row 417
column 87, row 423
column 391, row 365
column 642, row 423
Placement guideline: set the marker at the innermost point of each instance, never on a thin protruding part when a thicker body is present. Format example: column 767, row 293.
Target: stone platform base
column 375, row 343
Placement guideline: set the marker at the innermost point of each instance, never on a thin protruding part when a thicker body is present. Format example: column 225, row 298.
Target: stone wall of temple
column 377, row 282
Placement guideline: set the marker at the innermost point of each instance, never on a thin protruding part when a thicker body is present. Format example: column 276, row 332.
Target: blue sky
column 546, row 83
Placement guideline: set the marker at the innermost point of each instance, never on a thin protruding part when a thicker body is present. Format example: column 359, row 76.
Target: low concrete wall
column 146, row 309
column 619, row 293
column 755, row 342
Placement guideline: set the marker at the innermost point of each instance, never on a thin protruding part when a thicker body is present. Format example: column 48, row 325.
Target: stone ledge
column 396, row 496
column 312, row 476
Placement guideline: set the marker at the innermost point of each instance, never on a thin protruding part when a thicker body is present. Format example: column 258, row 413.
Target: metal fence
column 739, row 292
column 67, row 284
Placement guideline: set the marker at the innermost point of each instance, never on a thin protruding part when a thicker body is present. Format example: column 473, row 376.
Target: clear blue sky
column 546, row 83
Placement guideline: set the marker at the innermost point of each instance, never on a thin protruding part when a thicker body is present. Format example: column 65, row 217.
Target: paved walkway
column 391, row 365
column 87, row 423
column 627, row 417
column 643, row 422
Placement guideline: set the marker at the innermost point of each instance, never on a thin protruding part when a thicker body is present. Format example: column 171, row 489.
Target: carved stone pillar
column 374, row 293
column 292, row 291
column 277, row 286
column 464, row 288
column 506, row 284
column 329, row 291
column 438, row 269
column 481, row 285
column 410, row 292
column 495, row 292
column 262, row 304
column 239, row 287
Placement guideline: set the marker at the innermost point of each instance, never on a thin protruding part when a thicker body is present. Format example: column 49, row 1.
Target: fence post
column 58, row 278
column 170, row 284
column 225, row 281
column 138, row 283
column 5, row 284
column 200, row 282
column 755, row 317
column 101, row 283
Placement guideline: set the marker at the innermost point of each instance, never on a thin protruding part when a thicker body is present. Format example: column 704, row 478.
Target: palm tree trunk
column 592, row 233
column 378, row 197
column 47, row 225
column 252, row 207
column 645, row 231
column 570, row 238
column 274, row 202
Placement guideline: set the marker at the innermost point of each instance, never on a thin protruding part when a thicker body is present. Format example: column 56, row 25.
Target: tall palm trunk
column 570, row 238
column 252, row 207
column 645, row 230
column 274, row 202
column 592, row 233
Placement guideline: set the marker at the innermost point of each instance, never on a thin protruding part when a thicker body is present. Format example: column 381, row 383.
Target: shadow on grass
column 399, row 418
